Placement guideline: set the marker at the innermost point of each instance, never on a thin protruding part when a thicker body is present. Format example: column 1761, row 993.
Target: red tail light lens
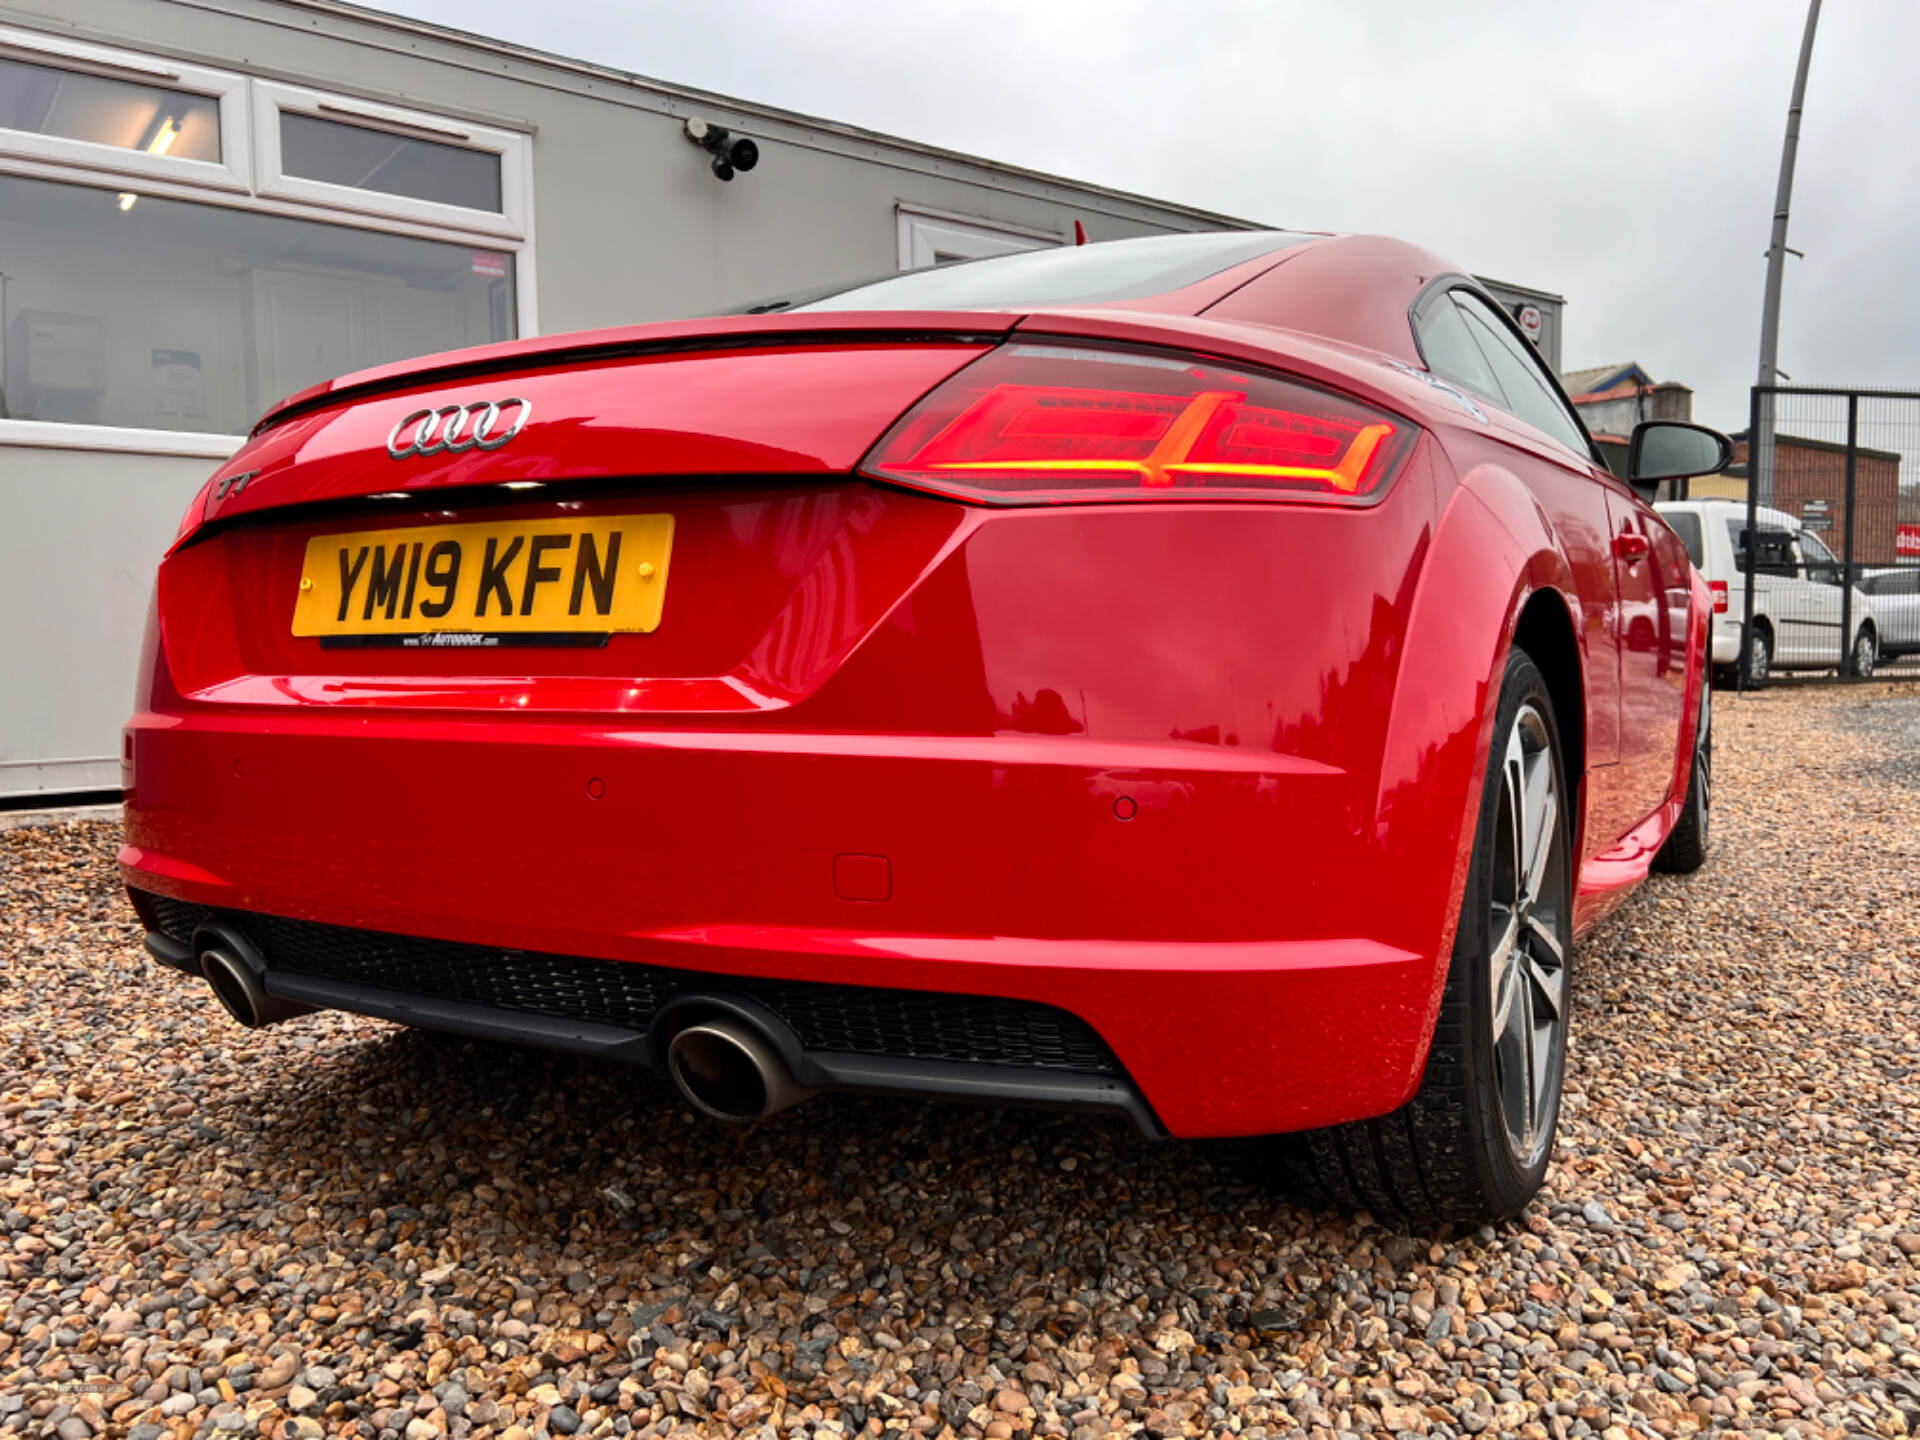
column 1040, row 424
column 1719, row 589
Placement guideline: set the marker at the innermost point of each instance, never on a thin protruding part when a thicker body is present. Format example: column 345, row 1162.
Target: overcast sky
column 1623, row 155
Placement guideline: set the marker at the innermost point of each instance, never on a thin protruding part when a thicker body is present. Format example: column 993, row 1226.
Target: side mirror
column 1673, row 450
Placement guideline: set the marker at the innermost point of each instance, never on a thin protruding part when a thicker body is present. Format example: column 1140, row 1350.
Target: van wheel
column 1865, row 652
column 1472, row 1145
column 1760, row 658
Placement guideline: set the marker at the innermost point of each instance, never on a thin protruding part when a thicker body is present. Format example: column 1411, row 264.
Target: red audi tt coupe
column 1210, row 679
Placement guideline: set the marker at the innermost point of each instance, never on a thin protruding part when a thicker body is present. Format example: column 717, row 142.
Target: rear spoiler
column 727, row 332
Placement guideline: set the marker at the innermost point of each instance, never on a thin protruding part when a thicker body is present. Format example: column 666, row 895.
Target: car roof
column 1357, row 289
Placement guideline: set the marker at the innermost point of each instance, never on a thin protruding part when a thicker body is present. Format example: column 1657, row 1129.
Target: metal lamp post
column 1760, row 420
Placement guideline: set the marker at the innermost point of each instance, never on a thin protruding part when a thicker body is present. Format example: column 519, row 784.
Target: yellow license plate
column 521, row 582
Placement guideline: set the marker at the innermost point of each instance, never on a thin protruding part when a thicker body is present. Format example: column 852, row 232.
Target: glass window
column 1063, row 275
column 178, row 315
column 1815, row 550
column 1820, row 562
column 1686, row 525
column 1892, row 582
column 126, row 114
column 1451, row 353
column 364, row 158
column 1529, row 395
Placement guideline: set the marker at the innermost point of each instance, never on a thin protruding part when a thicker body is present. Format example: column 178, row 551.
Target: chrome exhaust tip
column 731, row 1072
column 236, row 985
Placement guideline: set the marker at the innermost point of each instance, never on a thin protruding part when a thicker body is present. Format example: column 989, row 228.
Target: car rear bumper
column 971, row 873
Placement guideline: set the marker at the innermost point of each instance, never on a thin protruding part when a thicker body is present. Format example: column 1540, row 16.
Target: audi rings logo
column 453, row 428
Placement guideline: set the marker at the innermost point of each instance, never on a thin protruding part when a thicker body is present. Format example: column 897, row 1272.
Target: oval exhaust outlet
column 238, row 989
column 729, row 1071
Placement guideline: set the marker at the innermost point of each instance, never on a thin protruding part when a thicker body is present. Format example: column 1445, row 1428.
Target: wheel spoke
column 1513, row 1063
column 1521, row 1026
column 1540, row 1037
column 1541, row 933
column 1543, row 814
column 1549, row 983
column 1503, row 966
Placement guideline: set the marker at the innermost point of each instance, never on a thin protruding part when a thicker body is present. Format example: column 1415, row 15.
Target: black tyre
column 1865, row 652
column 1686, row 847
column 1472, row 1145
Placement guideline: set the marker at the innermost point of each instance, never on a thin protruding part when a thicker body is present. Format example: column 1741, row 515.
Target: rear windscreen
column 1060, row 275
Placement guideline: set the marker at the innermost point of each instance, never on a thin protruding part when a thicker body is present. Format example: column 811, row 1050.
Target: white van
column 1797, row 604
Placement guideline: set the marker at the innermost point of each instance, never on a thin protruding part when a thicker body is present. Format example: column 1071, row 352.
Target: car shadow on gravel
column 477, row 1148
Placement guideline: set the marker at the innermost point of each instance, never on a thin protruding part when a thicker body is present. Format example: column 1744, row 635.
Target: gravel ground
column 339, row 1227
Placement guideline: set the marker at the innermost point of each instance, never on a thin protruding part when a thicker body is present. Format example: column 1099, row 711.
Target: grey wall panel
column 630, row 224
column 83, row 533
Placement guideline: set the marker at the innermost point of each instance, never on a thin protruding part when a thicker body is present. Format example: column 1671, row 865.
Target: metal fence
column 1821, row 522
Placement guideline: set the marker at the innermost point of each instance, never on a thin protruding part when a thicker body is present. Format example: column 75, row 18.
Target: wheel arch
column 1495, row 576
column 1545, row 631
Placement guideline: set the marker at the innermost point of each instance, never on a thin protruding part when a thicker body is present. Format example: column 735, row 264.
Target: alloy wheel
column 1527, row 967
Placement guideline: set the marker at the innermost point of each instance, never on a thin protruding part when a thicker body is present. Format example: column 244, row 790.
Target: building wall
column 1551, row 308
column 631, row 225
column 1617, row 414
column 1806, row 470
column 628, row 225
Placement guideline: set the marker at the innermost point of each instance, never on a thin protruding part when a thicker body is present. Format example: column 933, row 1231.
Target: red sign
column 487, row 262
column 1906, row 542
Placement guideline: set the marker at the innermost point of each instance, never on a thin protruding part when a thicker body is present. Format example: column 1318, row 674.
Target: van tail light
column 1719, row 589
column 1051, row 424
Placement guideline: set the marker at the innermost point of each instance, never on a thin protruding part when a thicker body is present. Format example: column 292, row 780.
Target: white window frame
column 272, row 100
column 925, row 234
column 240, row 182
column 232, row 171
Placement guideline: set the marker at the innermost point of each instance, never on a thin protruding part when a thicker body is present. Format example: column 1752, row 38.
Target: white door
column 1818, row 609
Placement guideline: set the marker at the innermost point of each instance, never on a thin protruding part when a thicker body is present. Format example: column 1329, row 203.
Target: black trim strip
column 176, row 954
column 582, row 1037
column 468, row 640
column 937, row 1079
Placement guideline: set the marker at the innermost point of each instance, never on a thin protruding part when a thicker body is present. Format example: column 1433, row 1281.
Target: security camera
column 729, row 154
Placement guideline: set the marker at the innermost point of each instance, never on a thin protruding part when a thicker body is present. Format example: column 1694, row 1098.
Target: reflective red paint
column 1293, row 700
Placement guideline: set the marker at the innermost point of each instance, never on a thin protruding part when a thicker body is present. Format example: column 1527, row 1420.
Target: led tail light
column 1039, row 424
column 1719, row 589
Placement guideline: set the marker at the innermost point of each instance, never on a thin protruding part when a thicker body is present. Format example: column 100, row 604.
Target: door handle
column 1630, row 547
